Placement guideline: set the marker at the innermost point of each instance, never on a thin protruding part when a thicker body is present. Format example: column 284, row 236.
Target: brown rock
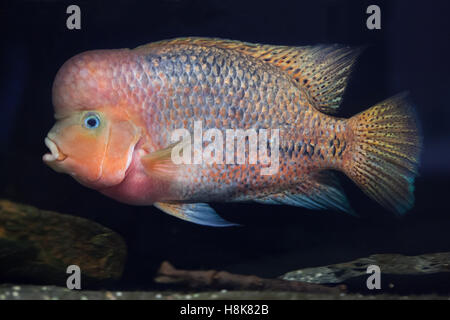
column 38, row 245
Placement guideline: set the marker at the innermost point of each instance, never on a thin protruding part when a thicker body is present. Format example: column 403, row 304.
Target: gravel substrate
column 30, row 292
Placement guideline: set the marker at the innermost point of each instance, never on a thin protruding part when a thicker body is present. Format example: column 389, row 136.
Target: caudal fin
column 385, row 152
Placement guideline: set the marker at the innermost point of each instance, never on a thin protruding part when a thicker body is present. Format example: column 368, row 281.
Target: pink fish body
column 118, row 110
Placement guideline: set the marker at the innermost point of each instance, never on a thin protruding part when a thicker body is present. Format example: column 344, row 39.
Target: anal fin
column 200, row 213
column 322, row 191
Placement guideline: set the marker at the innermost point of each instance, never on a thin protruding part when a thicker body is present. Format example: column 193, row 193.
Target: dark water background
column 410, row 52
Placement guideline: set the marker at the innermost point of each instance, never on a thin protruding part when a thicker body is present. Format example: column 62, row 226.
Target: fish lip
column 55, row 154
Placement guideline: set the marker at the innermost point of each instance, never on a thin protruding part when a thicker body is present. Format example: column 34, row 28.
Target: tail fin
column 385, row 152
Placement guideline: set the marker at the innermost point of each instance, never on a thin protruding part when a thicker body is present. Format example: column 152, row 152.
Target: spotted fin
column 200, row 213
column 320, row 70
column 322, row 192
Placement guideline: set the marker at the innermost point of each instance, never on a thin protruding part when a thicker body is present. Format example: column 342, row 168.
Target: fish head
column 94, row 137
column 93, row 147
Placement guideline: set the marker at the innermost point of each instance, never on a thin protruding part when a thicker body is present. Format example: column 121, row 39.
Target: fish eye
column 91, row 121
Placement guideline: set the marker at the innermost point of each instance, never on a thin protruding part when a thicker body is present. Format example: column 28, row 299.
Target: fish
column 117, row 110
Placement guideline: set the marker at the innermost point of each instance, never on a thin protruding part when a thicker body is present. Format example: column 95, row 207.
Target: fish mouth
column 55, row 154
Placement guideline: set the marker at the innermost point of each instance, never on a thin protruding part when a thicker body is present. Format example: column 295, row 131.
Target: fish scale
column 275, row 96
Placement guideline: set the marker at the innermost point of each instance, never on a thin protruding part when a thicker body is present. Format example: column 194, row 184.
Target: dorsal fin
column 321, row 70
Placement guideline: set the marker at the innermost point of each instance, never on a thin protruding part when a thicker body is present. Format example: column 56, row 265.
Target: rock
column 37, row 246
column 394, row 265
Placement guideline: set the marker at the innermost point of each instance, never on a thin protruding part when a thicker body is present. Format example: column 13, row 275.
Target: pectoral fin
column 159, row 163
column 200, row 213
